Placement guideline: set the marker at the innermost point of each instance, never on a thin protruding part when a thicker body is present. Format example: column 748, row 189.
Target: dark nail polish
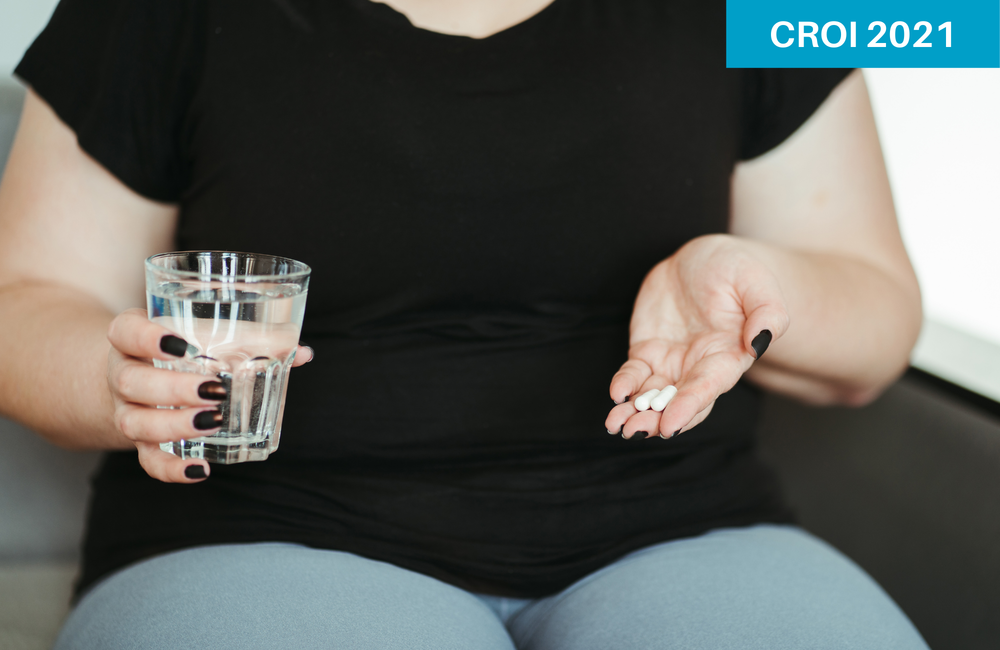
column 760, row 342
column 174, row 345
column 212, row 390
column 195, row 471
column 207, row 420
column 677, row 433
column 640, row 435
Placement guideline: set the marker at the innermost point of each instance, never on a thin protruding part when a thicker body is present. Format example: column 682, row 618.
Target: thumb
column 766, row 316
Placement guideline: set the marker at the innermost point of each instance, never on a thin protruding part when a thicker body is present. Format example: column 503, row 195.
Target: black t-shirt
column 479, row 215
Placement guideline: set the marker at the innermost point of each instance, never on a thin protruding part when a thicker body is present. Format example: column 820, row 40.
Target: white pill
column 642, row 402
column 660, row 402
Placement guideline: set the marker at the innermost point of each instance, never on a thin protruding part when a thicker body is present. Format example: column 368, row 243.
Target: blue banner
column 856, row 34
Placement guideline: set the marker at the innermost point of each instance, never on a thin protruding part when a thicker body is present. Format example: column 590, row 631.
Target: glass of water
column 240, row 314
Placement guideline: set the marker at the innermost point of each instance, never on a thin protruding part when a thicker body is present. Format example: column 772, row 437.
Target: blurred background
column 908, row 487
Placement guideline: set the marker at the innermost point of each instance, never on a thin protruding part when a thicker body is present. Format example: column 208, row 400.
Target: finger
column 139, row 383
column 629, row 379
column 169, row 468
column 766, row 315
column 147, row 424
column 641, row 425
column 698, row 419
column 134, row 334
column 647, row 424
column 709, row 378
column 303, row 355
column 618, row 416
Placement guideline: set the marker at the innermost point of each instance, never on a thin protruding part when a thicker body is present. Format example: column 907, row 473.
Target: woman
column 506, row 206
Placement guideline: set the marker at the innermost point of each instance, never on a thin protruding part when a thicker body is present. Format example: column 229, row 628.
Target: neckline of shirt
column 390, row 16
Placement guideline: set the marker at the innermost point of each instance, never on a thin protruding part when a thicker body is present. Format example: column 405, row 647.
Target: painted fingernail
column 207, row 420
column 312, row 353
column 640, row 435
column 212, row 390
column 174, row 345
column 614, row 433
column 760, row 342
column 195, row 471
column 677, row 433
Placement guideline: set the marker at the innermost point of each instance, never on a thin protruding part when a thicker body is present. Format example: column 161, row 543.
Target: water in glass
column 245, row 336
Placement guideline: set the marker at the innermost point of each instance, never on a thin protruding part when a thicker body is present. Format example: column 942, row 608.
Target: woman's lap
column 769, row 587
column 760, row 587
column 277, row 596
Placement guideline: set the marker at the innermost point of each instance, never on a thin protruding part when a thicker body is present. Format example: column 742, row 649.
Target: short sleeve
column 122, row 74
column 776, row 102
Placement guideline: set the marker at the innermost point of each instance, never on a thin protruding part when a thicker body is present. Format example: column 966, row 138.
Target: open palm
column 694, row 325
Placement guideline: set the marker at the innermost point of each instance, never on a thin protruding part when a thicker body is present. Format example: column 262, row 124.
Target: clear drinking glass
column 241, row 314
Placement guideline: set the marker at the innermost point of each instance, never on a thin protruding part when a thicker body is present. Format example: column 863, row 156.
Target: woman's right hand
column 137, row 388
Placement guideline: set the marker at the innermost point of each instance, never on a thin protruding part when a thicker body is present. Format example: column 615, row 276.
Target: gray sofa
column 43, row 496
column 11, row 99
column 909, row 487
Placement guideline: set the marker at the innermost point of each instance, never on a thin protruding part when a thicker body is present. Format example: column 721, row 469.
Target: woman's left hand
column 698, row 318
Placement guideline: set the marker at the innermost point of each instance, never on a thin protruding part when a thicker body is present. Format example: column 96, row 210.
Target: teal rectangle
column 974, row 30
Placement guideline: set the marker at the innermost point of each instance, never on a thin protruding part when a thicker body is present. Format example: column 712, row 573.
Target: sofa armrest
column 43, row 497
column 908, row 487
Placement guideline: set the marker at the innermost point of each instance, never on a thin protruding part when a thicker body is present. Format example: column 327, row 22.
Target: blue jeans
column 768, row 587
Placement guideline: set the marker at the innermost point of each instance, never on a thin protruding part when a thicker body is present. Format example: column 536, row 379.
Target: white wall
column 20, row 22
column 940, row 131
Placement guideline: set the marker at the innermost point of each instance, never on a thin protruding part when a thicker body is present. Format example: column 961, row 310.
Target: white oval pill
column 660, row 402
column 642, row 402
